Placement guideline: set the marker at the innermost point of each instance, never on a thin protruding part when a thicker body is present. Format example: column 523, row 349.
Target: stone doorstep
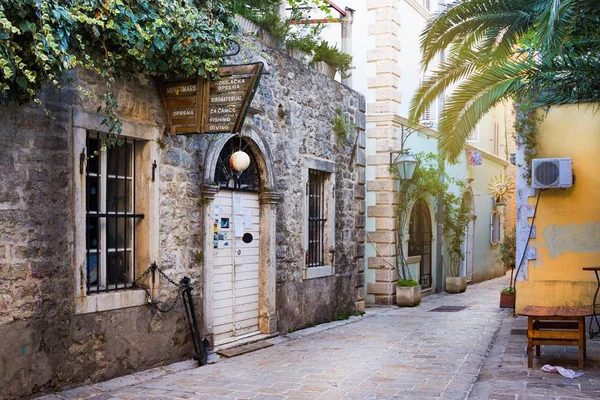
column 243, row 342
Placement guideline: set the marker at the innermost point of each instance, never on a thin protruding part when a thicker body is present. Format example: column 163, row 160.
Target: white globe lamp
column 239, row 161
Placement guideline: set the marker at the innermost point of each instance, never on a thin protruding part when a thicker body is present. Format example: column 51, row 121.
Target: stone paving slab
column 504, row 374
column 390, row 353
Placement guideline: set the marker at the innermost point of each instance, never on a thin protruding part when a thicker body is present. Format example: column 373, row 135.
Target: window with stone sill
column 319, row 217
column 111, row 215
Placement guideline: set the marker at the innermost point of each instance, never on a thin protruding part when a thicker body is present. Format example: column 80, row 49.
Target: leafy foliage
column 342, row 62
column 266, row 14
column 508, row 290
column 407, row 283
column 306, row 42
column 340, row 124
column 115, row 39
column 456, row 219
column 548, row 50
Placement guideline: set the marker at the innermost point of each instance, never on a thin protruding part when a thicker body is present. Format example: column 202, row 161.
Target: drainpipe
column 346, row 21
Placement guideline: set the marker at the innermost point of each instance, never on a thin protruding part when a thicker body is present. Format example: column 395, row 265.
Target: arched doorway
column 236, row 237
column 468, row 247
column 419, row 242
column 239, row 241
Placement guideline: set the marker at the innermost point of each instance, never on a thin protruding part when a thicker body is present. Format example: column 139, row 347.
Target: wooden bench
column 563, row 326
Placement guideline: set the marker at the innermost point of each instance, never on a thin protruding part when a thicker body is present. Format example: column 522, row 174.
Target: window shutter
column 495, row 228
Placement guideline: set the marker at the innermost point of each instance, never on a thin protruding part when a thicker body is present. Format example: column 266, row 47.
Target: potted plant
column 456, row 220
column 328, row 60
column 408, row 293
column 507, row 256
column 300, row 47
column 454, row 282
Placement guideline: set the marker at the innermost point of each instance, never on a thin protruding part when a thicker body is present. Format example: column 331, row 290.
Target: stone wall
column 46, row 345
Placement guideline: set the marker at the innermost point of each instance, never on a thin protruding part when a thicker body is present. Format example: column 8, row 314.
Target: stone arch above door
column 256, row 144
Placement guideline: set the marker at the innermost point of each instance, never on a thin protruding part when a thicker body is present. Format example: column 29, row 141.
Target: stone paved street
column 389, row 353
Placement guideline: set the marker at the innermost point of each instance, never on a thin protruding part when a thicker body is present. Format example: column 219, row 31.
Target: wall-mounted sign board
column 201, row 106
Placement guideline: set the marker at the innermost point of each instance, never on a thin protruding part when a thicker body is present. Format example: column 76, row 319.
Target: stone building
column 76, row 231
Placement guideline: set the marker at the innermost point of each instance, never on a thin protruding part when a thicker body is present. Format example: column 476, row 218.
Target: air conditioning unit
column 550, row 173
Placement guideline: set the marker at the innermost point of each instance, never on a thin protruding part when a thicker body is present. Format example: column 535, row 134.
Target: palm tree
column 547, row 50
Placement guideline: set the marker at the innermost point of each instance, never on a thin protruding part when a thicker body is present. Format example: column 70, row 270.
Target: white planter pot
column 246, row 25
column 268, row 40
column 298, row 55
column 408, row 296
column 325, row 68
column 456, row 284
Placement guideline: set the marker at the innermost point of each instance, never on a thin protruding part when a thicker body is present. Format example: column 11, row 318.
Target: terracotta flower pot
column 408, row 296
column 507, row 300
column 456, row 284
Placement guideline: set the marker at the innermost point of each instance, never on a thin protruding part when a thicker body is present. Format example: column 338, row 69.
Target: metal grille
column 316, row 217
column 227, row 178
column 110, row 213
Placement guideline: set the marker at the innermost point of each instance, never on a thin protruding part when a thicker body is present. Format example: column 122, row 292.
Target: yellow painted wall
column 567, row 221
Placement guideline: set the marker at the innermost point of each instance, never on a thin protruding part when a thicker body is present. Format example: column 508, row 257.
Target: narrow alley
column 389, row 353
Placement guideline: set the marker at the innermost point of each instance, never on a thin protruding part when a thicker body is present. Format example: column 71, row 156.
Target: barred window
column 316, row 217
column 110, row 214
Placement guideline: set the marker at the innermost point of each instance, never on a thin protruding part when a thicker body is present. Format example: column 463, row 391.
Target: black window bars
column 110, row 213
column 316, row 218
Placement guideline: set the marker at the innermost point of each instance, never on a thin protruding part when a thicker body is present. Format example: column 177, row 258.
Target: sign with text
column 202, row 106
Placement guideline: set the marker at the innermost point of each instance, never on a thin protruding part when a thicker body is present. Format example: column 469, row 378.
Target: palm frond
column 474, row 98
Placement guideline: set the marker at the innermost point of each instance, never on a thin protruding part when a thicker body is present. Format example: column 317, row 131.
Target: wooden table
column 595, row 332
column 563, row 326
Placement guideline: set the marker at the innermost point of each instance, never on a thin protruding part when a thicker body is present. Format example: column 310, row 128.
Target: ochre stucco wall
column 568, row 221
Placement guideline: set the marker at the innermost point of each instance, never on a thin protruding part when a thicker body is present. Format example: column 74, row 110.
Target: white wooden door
column 235, row 270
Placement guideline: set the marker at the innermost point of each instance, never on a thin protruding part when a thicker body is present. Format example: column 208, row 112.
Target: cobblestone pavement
column 390, row 353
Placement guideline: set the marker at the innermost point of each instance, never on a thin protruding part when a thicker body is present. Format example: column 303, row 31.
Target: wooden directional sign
column 202, row 106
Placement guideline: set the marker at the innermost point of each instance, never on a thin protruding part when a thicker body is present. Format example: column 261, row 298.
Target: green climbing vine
column 528, row 118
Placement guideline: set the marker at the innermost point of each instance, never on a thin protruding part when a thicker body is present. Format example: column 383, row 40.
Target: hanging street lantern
column 239, row 161
column 407, row 163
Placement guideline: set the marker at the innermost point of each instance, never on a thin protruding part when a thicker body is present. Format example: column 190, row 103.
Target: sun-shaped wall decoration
column 500, row 186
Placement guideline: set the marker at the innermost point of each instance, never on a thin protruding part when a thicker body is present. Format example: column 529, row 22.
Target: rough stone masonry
column 45, row 343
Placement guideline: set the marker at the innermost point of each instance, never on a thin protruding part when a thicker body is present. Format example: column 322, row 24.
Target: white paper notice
column 239, row 226
column 237, row 204
column 248, row 219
